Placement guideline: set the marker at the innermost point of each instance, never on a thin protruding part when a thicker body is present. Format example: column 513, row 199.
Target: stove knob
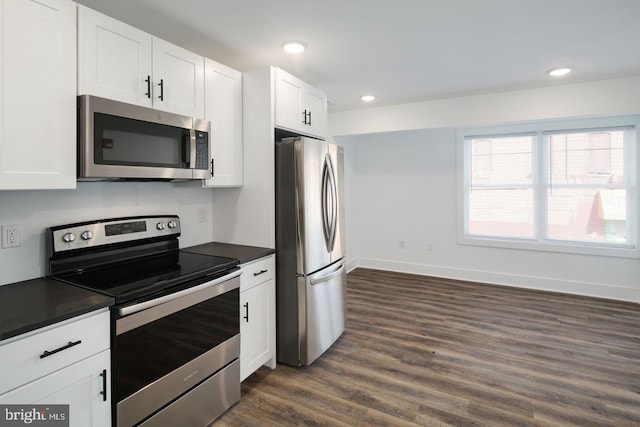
column 161, row 226
column 172, row 224
column 68, row 238
column 86, row 235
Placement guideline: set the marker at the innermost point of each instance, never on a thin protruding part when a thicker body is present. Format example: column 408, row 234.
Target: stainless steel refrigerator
column 310, row 248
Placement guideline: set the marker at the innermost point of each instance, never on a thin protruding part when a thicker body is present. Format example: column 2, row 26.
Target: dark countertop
column 243, row 253
column 33, row 304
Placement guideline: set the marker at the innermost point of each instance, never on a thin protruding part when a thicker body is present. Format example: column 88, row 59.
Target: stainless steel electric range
column 175, row 328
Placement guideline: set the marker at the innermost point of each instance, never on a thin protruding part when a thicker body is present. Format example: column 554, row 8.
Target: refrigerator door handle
column 334, row 205
column 329, row 203
column 338, row 271
column 325, row 201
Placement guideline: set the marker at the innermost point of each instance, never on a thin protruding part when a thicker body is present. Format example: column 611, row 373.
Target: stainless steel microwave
column 119, row 141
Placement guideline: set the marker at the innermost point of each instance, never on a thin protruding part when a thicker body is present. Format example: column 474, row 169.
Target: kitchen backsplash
column 34, row 211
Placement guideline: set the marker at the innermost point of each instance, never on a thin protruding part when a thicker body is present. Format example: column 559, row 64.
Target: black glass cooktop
column 129, row 280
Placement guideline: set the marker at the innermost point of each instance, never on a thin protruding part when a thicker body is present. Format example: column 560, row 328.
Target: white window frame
column 630, row 249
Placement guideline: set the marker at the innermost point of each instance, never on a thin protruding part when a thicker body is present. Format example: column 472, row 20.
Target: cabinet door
column 66, row 343
column 81, row 386
column 37, row 89
column 257, row 327
column 299, row 107
column 289, row 101
column 178, row 79
column 223, row 108
column 114, row 59
column 317, row 105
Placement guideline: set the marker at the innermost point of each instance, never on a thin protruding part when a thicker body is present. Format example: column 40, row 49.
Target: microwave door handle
column 192, row 149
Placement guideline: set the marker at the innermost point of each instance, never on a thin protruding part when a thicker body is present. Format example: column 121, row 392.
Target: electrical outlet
column 202, row 215
column 429, row 246
column 11, row 236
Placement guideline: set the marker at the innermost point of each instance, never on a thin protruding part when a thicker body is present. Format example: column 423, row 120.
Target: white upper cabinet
column 317, row 105
column 118, row 61
column 223, row 108
column 299, row 107
column 37, row 89
column 178, row 79
column 114, row 59
column 289, row 109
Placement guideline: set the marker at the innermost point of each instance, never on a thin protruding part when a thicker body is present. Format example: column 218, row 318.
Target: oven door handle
column 124, row 311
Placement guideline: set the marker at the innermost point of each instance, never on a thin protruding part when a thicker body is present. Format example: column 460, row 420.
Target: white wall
column 34, row 211
column 401, row 186
column 351, row 206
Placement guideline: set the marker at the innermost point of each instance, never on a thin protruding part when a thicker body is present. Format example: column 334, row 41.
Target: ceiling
column 403, row 50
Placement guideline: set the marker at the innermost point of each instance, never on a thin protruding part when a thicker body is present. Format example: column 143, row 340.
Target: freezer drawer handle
column 260, row 272
column 323, row 279
column 48, row 353
column 246, row 316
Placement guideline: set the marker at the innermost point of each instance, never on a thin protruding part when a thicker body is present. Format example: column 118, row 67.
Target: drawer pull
column 260, row 272
column 48, row 353
column 103, row 374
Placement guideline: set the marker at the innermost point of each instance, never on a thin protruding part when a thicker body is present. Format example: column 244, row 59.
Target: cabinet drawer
column 256, row 272
column 39, row 353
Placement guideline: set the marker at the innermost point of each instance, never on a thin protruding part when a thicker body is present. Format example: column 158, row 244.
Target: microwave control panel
column 202, row 150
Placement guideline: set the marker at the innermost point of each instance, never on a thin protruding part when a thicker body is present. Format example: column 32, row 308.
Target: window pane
column 503, row 160
column 587, row 157
column 588, row 215
column 501, row 212
column 566, row 186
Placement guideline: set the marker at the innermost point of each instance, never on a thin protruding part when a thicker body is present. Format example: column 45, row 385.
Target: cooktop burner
column 126, row 281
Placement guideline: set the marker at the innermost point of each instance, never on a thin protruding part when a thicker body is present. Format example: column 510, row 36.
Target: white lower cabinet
column 64, row 364
column 82, row 386
column 257, row 316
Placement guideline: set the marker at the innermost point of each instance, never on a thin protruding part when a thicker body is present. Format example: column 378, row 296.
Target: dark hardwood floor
column 435, row 352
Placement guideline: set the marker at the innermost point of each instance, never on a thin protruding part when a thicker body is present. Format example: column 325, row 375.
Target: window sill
column 569, row 248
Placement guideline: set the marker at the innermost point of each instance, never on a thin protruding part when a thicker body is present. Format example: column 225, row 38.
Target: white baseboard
column 599, row 290
column 352, row 264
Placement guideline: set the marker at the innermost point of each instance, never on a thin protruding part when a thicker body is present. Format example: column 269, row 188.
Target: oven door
column 166, row 346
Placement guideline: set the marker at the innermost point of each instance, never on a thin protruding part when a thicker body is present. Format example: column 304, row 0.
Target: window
column 561, row 186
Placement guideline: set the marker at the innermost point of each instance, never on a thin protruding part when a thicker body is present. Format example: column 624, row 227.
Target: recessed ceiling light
column 294, row 47
column 367, row 98
column 557, row 72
